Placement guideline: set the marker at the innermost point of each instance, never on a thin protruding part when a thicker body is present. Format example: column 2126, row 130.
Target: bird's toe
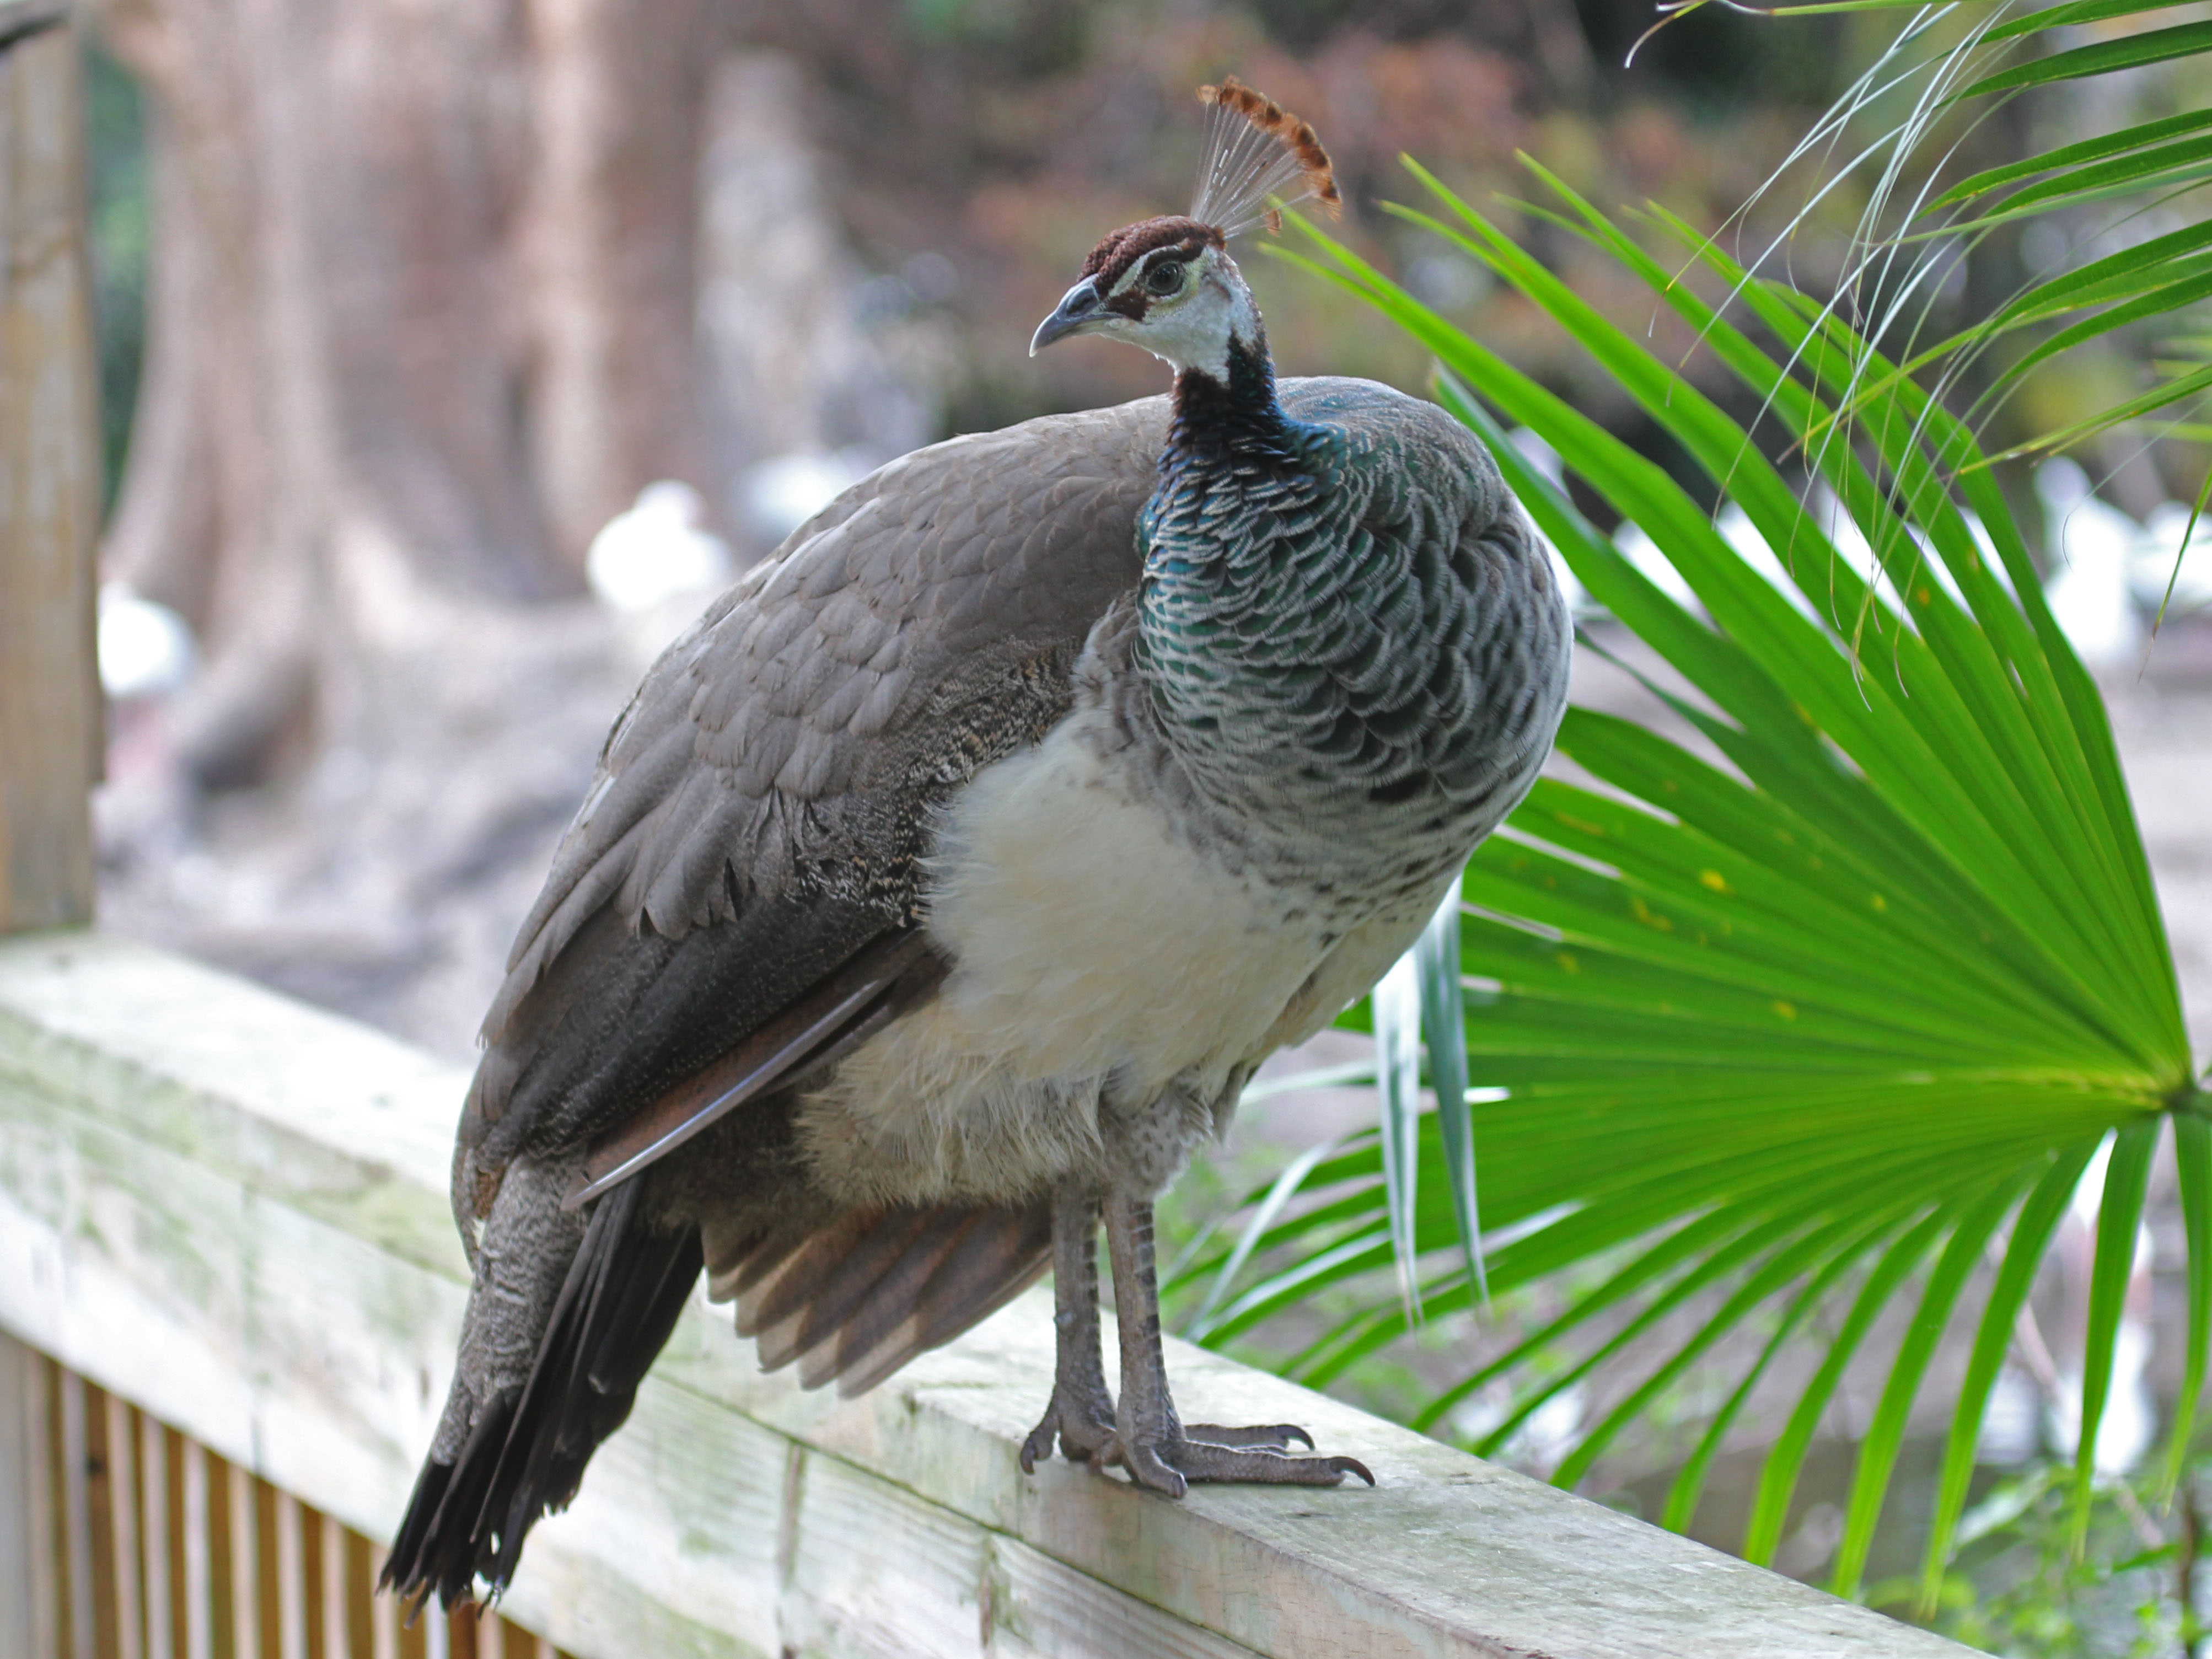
column 1201, row 1453
column 1149, row 1467
column 1277, row 1437
column 1202, row 1460
column 1083, row 1432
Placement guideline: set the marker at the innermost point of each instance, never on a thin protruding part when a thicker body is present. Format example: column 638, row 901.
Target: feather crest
column 1256, row 151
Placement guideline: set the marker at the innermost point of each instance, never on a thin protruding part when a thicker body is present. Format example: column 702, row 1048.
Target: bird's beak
column 1079, row 308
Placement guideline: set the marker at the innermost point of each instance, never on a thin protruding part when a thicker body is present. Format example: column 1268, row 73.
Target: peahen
column 941, row 887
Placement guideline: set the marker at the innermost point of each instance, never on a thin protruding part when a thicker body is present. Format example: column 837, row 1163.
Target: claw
column 1148, row 1466
column 1039, row 1444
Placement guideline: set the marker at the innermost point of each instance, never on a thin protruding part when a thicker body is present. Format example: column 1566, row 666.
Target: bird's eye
column 1164, row 278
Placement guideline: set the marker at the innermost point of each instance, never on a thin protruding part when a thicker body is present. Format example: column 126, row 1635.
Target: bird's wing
column 752, row 840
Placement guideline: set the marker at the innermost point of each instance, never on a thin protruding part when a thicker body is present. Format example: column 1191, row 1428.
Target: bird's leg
column 1081, row 1413
column 1149, row 1440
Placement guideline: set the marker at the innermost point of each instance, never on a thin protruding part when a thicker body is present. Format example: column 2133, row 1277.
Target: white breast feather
column 1089, row 943
column 1092, row 945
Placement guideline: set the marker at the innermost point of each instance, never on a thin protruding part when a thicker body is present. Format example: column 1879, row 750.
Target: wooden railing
column 228, row 1211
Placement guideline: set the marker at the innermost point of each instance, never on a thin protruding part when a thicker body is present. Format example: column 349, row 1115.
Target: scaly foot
column 1172, row 1464
column 1081, row 1414
column 1083, row 1428
column 1148, row 1440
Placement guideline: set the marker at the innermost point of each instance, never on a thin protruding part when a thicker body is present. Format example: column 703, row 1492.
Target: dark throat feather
column 1240, row 420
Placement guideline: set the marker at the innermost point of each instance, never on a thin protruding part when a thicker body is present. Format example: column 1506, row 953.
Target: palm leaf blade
column 1795, row 1027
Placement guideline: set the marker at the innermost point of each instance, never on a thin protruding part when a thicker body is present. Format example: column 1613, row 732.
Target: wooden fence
column 137, row 1542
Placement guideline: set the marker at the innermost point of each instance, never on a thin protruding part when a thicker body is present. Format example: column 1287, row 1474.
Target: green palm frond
column 1952, row 65
column 1816, row 1023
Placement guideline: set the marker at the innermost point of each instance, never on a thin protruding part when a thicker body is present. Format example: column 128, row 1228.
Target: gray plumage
column 1284, row 663
column 762, row 807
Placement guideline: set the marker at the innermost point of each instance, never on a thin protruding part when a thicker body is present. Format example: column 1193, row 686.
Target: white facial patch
column 1193, row 330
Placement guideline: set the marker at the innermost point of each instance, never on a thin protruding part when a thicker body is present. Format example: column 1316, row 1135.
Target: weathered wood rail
column 228, row 1210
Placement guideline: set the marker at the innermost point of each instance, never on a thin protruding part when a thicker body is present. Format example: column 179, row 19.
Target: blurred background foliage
column 998, row 136
column 971, row 150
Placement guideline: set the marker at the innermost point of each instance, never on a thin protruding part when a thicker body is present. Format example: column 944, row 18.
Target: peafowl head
column 1169, row 284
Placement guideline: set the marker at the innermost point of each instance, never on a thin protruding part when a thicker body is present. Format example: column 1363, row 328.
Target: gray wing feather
column 780, row 762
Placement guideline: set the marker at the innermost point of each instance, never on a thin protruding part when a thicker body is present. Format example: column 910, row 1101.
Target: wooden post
column 50, row 720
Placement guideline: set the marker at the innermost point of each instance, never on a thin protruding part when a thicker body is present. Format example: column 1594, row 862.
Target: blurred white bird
column 1829, row 512
column 782, row 493
column 1541, row 1440
column 2150, row 566
column 1737, row 530
column 2012, row 1422
column 656, row 552
column 1857, row 552
column 2130, row 1423
column 1992, row 561
column 2092, row 543
column 146, row 649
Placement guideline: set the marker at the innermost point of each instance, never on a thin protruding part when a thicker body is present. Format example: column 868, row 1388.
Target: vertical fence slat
column 28, row 1613
column 45, row 1593
column 19, row 1566
column 76, row 1517
column 338, row 1606
column 291, row 1581
column 245, row 1567
column 154, row 1506
column 383, row 1611
column 134, row 1550
column 199, row 1557
column 122, row 1528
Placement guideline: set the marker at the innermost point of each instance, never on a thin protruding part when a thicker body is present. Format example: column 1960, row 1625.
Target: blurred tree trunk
column 422, row 321
column 618, row 94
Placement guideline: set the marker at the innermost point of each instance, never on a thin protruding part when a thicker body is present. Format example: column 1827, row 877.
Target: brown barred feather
column 854, row 1299
column 1294, row 135
column 994, row 1257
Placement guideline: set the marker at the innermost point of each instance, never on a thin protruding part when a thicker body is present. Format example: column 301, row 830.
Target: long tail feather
column 525, row 1455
